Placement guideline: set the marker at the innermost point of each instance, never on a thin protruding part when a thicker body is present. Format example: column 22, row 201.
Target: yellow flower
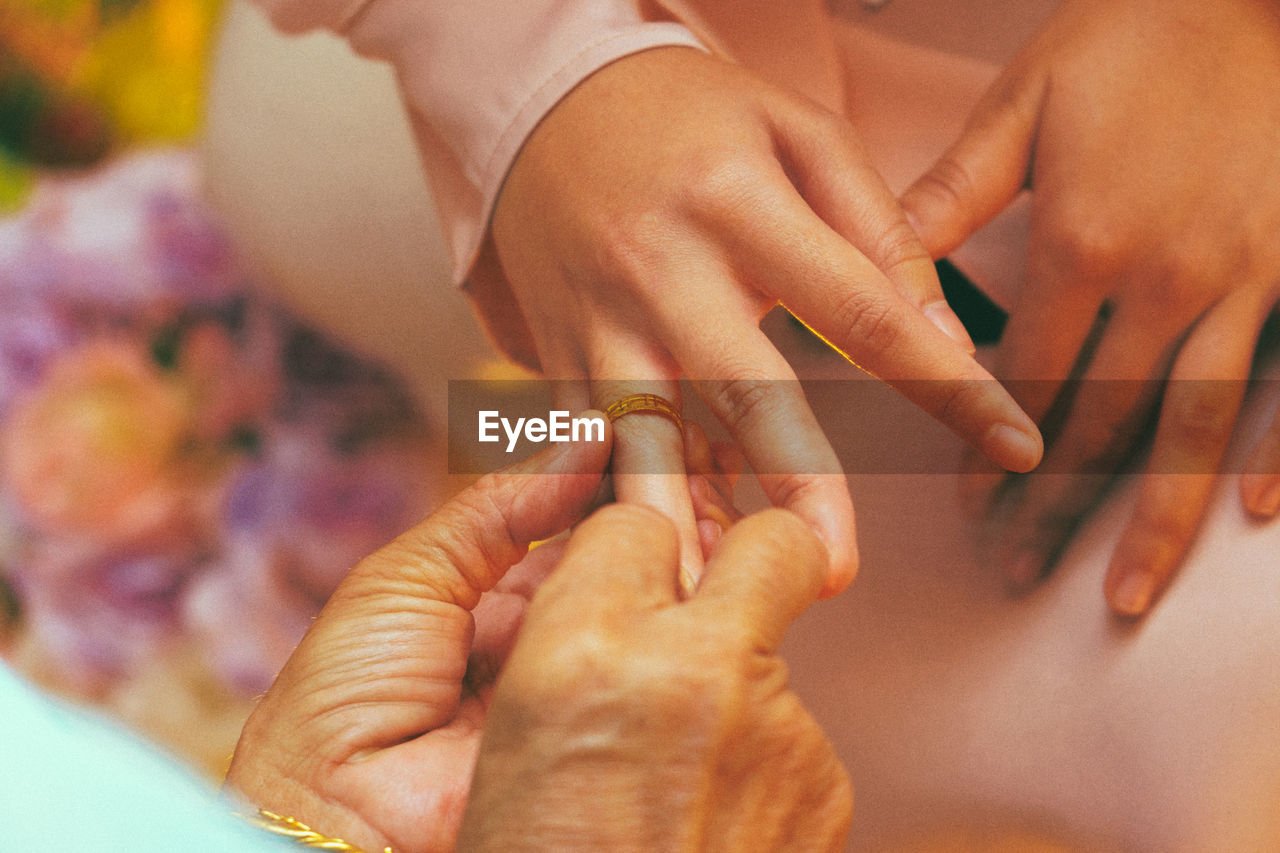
column 148, row 68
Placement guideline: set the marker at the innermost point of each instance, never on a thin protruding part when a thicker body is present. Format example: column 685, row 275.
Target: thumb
column 766, row 571
column 983, row 171
column 464, row 548
column 390, row 648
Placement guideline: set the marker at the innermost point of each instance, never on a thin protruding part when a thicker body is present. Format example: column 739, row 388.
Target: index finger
column 836, row 291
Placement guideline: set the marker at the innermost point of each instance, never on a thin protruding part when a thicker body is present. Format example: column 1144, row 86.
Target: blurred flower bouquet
column 180, row 459
column 79, row 78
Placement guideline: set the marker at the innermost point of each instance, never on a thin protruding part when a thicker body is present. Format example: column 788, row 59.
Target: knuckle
column 631, row 248
column 631, row 526
column 1182, row 267
column 686, row 692
column 719, row 184
column 1187, row 278
column 962, row 398
column 1087, row 244
column 587, row 651
column 788, row 488
column 1163, row 525
column 719, row 679
column 740, row 401
column 588, row 656
column 899, row 245
column 1201, row 421
column 1246, row 257
column 867, row 322
column 446, row 555
column 949, row 184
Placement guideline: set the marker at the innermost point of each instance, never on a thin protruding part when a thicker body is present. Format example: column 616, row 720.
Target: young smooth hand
column 654, row 217
column 1149, row 133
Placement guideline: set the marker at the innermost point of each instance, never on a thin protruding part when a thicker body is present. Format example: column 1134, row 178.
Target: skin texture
column 372, row 730
column 654, row 217
column 1147, row 131
column 659, row 724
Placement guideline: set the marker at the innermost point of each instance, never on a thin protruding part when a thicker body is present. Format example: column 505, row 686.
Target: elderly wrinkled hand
column 628, row 719
column 1147, row 131
column 372, row 730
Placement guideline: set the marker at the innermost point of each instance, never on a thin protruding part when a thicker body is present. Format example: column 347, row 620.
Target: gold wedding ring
column 650, row 404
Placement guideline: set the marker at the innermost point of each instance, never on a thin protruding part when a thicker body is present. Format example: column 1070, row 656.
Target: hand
column 653, row 218
column 628, row 720
column 1148, row 131
column 371, row 730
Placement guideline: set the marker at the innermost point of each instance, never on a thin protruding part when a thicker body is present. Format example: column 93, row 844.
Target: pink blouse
column 479, row 75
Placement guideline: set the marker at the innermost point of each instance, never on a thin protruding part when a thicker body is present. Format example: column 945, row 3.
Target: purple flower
column 101, row 613
column 320, row 511
column 190, row 254
column 180, row 455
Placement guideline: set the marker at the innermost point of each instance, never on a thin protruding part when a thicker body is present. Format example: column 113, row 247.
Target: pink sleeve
column 477, row 76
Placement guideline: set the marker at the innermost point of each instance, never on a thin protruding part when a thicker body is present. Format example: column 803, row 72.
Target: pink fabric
column 477, row 77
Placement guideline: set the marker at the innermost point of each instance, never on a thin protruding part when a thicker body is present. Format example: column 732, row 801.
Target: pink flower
column 245, row 617
column 180, row 455
column 97, row 448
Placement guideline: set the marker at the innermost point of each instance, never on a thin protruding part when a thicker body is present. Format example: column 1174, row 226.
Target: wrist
column 299, row 832
column 259, row 791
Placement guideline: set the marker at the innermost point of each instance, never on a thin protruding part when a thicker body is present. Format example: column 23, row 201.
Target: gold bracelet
column 300, row 832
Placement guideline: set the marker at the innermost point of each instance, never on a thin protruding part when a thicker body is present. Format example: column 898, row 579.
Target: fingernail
column 688, row 583
column 1133, row 596
column 1023, row 571
column 834, row 531
column 1012, row 448
column 1265, row 503
column 911, row 203
column 709, row 532
column 941, row 315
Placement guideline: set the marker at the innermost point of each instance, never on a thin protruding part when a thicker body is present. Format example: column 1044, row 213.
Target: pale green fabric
column 72, row 782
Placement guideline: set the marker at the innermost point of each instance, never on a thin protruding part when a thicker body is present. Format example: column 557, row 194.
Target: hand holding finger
column 767, row 571
column 684, row 698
